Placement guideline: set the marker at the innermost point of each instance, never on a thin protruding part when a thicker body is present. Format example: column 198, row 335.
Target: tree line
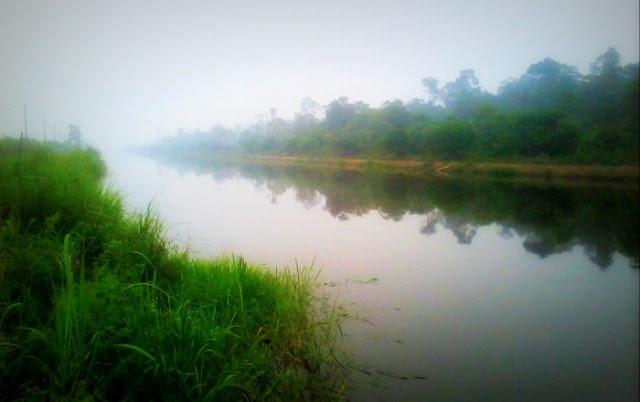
column 551, row 112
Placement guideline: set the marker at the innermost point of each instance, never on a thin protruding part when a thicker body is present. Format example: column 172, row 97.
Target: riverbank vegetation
column 95, row 303
column 551, row 114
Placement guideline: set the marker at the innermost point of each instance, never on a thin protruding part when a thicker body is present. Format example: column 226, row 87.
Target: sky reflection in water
column 488, row 296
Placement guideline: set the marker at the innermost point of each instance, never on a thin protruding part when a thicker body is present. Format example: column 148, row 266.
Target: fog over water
column 491, row 290
column 128, row 72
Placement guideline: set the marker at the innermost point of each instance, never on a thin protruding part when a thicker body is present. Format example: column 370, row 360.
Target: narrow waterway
column 490, row 291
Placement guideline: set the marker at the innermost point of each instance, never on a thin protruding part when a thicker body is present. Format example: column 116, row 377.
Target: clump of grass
column 96, row 304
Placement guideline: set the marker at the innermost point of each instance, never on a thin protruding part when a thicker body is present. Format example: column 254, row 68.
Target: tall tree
column 607, row 64
column 463, row 95
column 393, row 121
column 310, row 106
column 430, row 85
column 602, row 91
column 340, row 111
column 545, row 85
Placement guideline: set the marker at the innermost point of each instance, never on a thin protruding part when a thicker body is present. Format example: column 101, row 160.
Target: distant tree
column 602, row 92
column 607, row 64
column 423, row 112
column 453, row 139
column 551, row 110
column 611, row 115
column 395, row 115
column 464, row 94
column 339, row 112
column 544, row 133
column 430, row 85
column 466, row 83
column 310, row 106
column 418, row 109
column 391, row 123
column 278, row 127
column 495, row 132
column 74, row 137
column 631, row 97
column 302, row 122
column 546, row 85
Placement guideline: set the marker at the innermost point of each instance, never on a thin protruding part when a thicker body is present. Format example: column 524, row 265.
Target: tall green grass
column 96, row 304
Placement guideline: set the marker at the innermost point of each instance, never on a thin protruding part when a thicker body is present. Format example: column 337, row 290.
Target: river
column 489, row 290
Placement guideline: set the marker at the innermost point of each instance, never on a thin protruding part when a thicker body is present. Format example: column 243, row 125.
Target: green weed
column 97, row 305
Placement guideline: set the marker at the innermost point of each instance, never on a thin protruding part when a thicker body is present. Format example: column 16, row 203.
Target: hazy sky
column 129, row 70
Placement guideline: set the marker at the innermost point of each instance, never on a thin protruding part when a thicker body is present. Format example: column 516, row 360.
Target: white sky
column 125, row 71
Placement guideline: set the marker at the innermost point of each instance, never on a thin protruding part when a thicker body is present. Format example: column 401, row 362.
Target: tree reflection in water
column 551, row 219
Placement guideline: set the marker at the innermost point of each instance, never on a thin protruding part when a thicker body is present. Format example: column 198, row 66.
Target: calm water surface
column 492, row 291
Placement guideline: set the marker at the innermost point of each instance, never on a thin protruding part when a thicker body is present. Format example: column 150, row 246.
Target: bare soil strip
column 503, row 170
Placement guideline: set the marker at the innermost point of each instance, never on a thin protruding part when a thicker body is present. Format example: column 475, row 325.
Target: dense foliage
column 96, row 305
column 551, row 111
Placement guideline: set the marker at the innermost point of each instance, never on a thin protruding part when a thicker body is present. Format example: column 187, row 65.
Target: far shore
column 504, row 170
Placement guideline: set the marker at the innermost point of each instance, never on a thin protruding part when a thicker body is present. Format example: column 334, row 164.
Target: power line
column 27, row 117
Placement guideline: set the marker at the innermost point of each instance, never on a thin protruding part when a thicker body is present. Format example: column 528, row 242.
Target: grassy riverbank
column 96, row 304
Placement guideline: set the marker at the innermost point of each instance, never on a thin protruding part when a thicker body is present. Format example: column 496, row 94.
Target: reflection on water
column 550, row 219
column 490, row 290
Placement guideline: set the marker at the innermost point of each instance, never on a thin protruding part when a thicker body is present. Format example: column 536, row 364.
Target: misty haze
column 337, row 200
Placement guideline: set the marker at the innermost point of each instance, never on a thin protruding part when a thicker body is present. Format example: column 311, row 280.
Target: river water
column 490, row 290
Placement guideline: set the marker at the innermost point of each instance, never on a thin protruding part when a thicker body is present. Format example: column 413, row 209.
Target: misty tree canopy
column 550, row 111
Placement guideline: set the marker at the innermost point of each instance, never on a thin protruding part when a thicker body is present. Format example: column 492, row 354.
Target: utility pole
column 25, row 121
column 44, row 125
